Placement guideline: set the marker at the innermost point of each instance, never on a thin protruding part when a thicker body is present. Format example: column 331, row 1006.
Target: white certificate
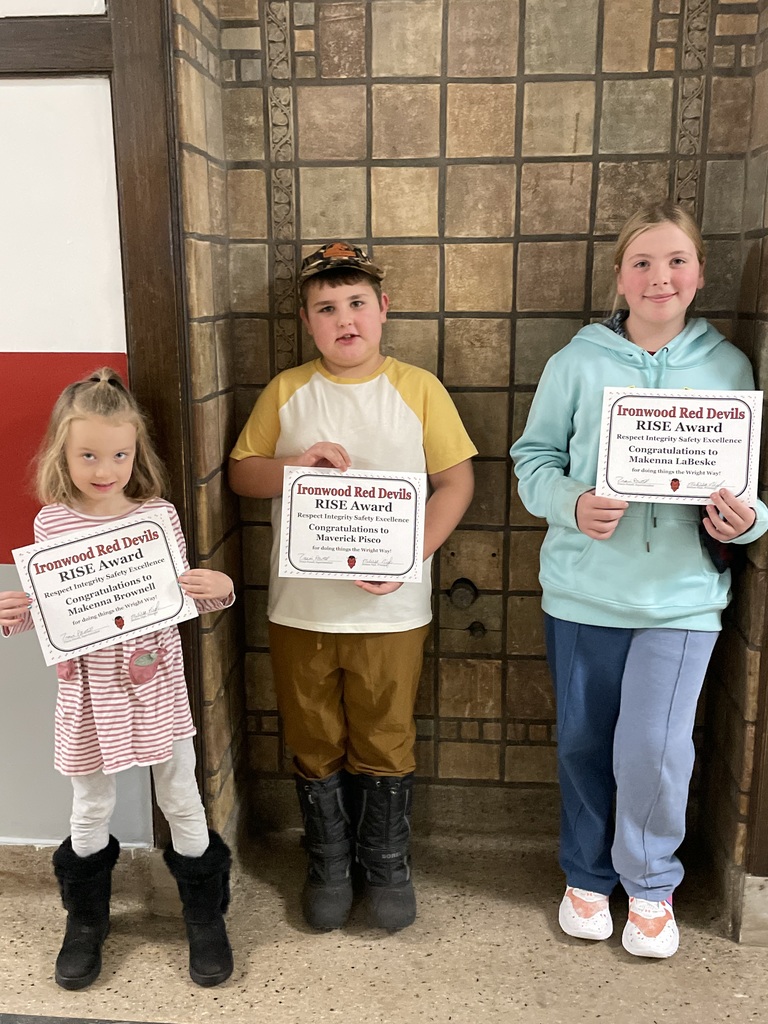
column 355, row 525
column 95, row 588
column 666, row 445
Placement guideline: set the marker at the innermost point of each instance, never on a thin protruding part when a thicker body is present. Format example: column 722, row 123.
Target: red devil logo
column 674, row 483
column 119, row 621
column 351, row 561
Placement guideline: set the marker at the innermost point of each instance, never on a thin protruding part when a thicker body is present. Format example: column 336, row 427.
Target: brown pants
column 347, row 699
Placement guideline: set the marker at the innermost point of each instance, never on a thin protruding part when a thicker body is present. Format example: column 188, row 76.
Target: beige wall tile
column 603, row 277
column 199, row 278
column 524, row 547
column 251, row 351
column 558, row 118
column 333, row 202
column 247, row 200
column 468, row 760
column 404, row 201
column 520, row 410
column 331, row 122
column 626, row 186
column 551, row 275
column 518, row 514
column 207, row 446
column 627, row 35
column 479, row 277
column 411, row 276
column 406, row 37
column 760, row 111
column 481, row 120
column 248, row 278
column 191, row 103
column 722, row 280
column 220, row 273
column 482, row 38
column 475, row 555
column 530, row 693
column 537, row 340
column 470, row 689
column 476, row 352
column 196, row 212
column 530, row 764
column 555, row 198
column 665, row 59
column 485, row 415
column 723, row 196
column 625, row 126
column 729, row 119
column 480, row 200
column 488, row 504
column 525, row 626
column 342, row 40
column 736, row 24
column 217, row 199
column 413, row 341
column 417, row 135
column 202, row 359
column 230, row 10
column 560, row 36
column 243, row 124
column 259, row 683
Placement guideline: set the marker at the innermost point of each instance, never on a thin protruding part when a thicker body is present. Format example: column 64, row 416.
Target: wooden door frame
column 132, row 45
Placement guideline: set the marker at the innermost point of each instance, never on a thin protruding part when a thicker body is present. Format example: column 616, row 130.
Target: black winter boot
column 383, row 833
column 85, row 884
column 327, row 895
column 204, row 890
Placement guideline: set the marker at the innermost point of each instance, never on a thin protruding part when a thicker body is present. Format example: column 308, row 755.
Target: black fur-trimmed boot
column 327, row 895
column 383, row 809
column 203, row 884
column 85, row 884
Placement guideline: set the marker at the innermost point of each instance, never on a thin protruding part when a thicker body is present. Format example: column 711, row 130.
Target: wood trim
column 756, row 860
column 147, row 176
column 40, row 46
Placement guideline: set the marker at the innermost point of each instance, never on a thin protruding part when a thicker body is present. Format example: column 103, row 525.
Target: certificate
column 665, row 445
column 95, row 588
column 353, row 525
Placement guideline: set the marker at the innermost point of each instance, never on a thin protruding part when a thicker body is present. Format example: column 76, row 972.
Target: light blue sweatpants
column 626, row 704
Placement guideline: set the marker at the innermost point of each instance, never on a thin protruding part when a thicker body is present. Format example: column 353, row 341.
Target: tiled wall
column 486, row 151
column 735, row 682
column 203, row 167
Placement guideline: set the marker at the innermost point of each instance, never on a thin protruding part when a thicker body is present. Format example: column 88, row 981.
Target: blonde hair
column 102, row 394
column 666, row 212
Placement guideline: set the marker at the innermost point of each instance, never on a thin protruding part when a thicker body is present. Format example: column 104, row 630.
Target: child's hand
column 598, row 517
column 384, row 587
column 206, row 584
column 737, row 516
column 325, row 455
column 13, row 606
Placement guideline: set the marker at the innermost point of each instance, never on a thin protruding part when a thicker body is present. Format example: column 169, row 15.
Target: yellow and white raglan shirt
column 400, row 418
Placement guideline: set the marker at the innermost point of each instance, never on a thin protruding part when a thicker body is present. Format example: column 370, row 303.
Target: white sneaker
column 651, row 929
column 585, row 914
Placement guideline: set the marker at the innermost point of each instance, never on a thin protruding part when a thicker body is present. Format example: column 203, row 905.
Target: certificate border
column 160, row 518
column 353, row 573
column 613, row 395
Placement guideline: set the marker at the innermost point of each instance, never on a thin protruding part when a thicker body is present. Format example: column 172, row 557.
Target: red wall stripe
column 30, row 383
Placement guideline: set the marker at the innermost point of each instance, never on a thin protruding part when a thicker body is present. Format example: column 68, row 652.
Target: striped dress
column 124, row 705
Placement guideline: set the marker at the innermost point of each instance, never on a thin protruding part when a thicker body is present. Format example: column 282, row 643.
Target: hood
column 693, row 346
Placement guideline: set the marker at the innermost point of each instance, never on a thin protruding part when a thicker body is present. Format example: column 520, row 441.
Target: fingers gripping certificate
column 93, row 589
column 356, row 525
column 666, row 445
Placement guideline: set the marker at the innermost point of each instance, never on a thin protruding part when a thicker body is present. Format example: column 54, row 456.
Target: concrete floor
column 486, row 947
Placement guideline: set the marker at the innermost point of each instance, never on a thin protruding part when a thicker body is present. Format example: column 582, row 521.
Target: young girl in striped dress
column 127, row 704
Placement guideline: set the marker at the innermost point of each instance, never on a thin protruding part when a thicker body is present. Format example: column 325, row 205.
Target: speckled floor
column 486, row 947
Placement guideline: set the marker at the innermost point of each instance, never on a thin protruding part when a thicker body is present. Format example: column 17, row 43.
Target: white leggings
column 177, row 796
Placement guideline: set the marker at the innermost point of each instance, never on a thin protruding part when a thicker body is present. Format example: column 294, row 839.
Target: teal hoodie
column 653, row 571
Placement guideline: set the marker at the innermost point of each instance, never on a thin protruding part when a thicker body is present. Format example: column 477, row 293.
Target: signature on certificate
column 147, row 613
column 78, row 634
column 315, row 559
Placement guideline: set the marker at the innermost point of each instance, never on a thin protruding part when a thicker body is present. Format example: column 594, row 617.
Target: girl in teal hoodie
column 632, row 599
